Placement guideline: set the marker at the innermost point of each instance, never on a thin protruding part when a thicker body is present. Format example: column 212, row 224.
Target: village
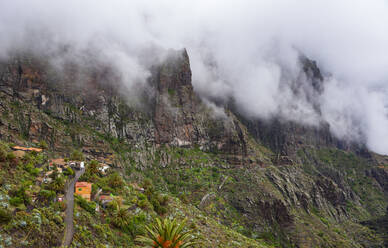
column 61, row 167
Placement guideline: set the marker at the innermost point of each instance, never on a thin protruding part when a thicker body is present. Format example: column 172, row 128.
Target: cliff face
column 282, row 181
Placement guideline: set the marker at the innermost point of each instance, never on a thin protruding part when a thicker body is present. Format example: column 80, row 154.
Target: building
column 77, row 165
column 26, row 149
column 105, row 200
column 104, row 168
column 59, row 162
column 83, row 189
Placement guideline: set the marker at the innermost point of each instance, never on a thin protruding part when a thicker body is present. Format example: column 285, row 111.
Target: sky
column 246, row 50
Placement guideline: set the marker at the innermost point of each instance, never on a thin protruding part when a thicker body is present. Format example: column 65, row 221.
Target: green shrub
column 20, row 195
column 47, row 195
column 59, row 206
column 16, row 201
column 43, row 144
column 147, row 184
column 136, row 225
column 163, row 199
column 156, row 203
column 30, row 168
column 11, row 156
column 35, row 172
column 68, row 172
column 115, row 181
column 88, row 206
column 142, row 196
column 57, row 185
column 77, row 155
column 5, row 216
column 144, row 204
column 121, row 219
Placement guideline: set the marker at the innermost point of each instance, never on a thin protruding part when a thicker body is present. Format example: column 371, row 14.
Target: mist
column 243, row 50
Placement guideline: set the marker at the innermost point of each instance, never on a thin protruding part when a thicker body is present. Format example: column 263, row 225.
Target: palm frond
column 167, row 234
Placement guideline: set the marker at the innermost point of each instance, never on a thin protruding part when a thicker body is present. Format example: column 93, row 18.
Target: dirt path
column 69, row 226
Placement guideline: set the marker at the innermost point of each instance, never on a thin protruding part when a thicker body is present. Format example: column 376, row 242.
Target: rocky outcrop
column 381, row 176
column 79, row 94
column 175, row 103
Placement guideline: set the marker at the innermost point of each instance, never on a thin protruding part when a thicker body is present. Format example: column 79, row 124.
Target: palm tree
column 121, row 218
column 167, row 234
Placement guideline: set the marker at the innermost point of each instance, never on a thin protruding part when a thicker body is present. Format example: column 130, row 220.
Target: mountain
column 240, row 181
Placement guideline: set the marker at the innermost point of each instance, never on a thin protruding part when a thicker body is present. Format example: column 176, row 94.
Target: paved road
column 69, row 226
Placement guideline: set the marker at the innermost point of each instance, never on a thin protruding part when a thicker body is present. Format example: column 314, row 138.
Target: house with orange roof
column 83, row 189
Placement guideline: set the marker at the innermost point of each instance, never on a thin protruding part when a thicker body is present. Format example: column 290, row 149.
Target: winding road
column 69, row 225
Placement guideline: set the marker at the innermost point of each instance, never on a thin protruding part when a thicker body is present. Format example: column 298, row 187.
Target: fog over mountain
column 243, row 50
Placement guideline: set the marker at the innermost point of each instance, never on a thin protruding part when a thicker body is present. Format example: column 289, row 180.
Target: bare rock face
column 176, row 115
column 175, row 103
column 182, row 119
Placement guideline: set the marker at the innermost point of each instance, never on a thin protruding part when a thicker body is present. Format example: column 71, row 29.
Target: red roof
column 106, row 197
column 58, row 161
column 82, row 184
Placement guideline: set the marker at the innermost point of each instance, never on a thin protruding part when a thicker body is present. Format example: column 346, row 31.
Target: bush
column 30, row 168
column 77, row 155
column 5, row 216
column 57, row 185
column 163, row 199
column 88, row 206
column 115, row 181
column 59, row 206
column 157, row 201
column 47, row 195
column 69, row 171
column 136, row 225
column 16, row 201
column 93, row 167
column 11, row 156
column 144, row 204
column 35, row 172
column 43, row 144
column 20, row 195
column 121, row 219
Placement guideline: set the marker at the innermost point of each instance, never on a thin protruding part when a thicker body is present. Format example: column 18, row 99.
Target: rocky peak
column 175, row 101
column 313, row 73
column 174, row 72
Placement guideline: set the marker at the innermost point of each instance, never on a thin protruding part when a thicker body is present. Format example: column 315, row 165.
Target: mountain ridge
column 289, row 184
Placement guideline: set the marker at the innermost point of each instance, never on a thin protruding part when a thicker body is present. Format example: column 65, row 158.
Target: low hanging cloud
column 247, row 50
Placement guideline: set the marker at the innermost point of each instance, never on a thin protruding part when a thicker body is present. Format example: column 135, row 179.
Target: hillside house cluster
column 84, row 189
column 59, row 164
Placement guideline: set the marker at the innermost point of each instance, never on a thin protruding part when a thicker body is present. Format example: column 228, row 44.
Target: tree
column 121, row 219
column 77, row 155
column 167, row 234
